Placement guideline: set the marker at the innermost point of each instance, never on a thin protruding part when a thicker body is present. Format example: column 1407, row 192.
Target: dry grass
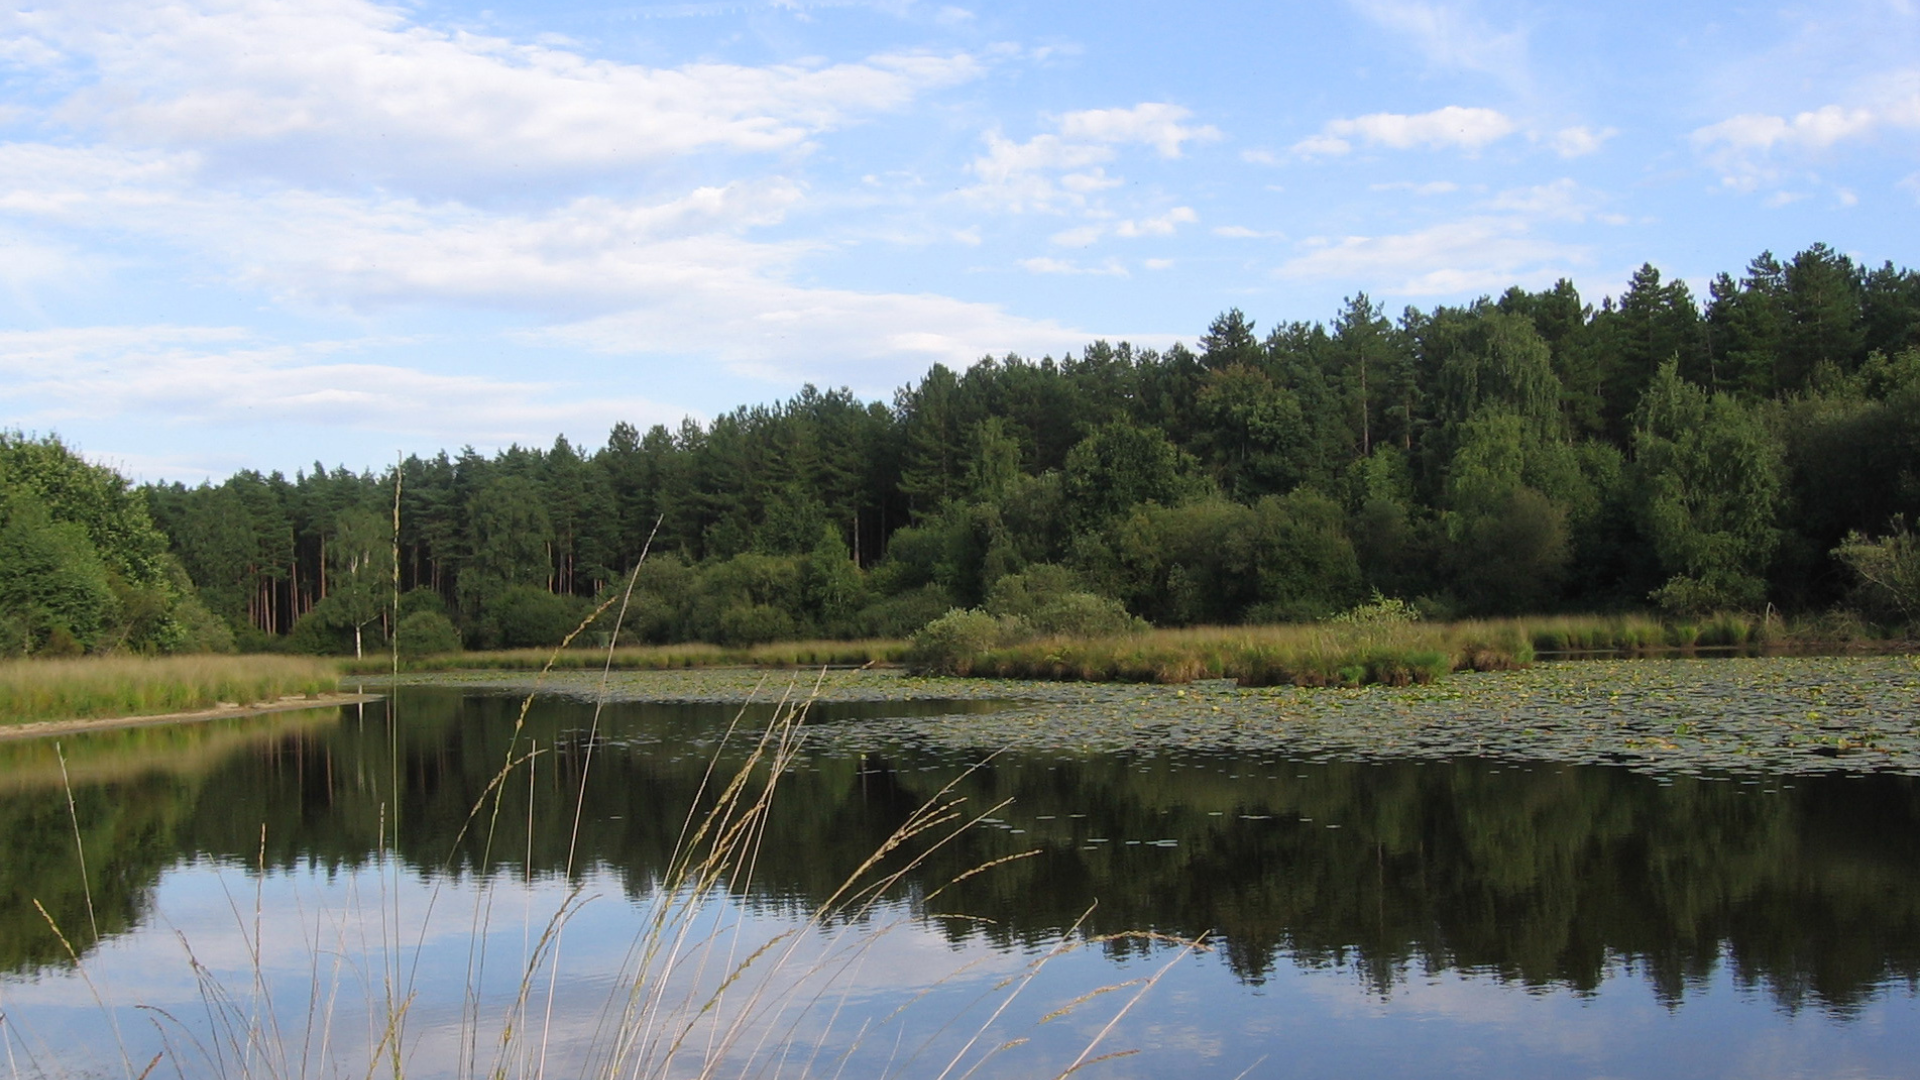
column 111, row 686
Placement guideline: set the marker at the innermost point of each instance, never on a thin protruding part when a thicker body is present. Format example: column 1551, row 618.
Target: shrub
column 524, row 616
column 1888, row 570
column 899, row 616
column 950, row 644
column 753, row 624
column 1047, row 599
column 1380, row 611
column 428, row 633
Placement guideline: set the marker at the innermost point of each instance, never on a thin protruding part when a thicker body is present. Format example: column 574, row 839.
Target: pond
column 1200, row 900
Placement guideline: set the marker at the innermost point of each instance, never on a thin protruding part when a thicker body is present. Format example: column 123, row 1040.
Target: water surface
column 1421, row 918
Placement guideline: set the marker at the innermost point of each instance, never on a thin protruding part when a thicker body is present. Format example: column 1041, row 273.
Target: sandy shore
column 44, row 728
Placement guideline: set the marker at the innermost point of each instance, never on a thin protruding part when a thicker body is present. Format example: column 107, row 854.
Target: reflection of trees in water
column 1544, row 877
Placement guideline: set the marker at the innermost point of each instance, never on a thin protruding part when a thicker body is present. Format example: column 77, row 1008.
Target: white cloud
column 1157, row 264
column 1241, row 232
column 1576, row 142
column 197, row 376
column 785, row 334
column 1431, row 187
column 345, row 91
column 1808, row 130
column 613, row 276
column 1110, row 268
column 1259, row 157
column 1057, row 171
column 1450, row 36
column 1561, row 200
column 1006, row 159
column 1453, row 127
column 1747, row 149
column 1164, row 225
column 1079, row 236
column 1483, row 253
column 1156, row 124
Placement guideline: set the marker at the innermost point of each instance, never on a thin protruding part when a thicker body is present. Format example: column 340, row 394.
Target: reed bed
column 1299, row 655
column 778, row 654
column 1353, row 654
column 113, row 686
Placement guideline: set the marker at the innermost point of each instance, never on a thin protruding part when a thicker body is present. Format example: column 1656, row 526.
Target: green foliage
column 950, row 644
column 1048, row 599
column 1119, row 466
column 901, row 615
column 522, row 616
column 1887, row 568
column 752, row 624
column 1710, row 480
column 427, row 633
column 55, row 590
column 1380, row 611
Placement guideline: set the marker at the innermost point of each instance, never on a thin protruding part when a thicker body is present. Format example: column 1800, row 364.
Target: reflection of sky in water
column 892, row 993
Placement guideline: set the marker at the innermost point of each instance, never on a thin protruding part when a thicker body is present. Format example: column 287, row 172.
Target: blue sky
column 248, row 234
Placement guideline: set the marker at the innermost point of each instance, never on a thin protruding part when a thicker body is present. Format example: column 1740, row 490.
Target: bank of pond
column 1358, row 652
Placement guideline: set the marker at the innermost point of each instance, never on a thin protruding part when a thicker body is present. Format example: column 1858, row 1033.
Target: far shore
column 43, row 728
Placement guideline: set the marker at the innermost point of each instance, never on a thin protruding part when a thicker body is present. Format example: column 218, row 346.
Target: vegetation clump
column 95, row 687
column 82, row 567
column 1045, row 602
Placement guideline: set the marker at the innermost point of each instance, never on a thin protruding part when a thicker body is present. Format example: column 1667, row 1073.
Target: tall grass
column 1303, row 655
column 114, row 686
column 1354, row 653
column 777, row 654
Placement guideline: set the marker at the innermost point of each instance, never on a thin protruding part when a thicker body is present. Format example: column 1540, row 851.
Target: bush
column 1047, row 599
column 1382, row 610
column 950, row 644
column 524, row 617
column 899, row 616
column 201, row 631
column 1888, row 569
column 428, row 633
column 316, row 634
column 753, row 624
column 414, row 601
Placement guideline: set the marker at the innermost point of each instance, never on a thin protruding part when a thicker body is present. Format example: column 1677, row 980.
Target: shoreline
column 42, row 728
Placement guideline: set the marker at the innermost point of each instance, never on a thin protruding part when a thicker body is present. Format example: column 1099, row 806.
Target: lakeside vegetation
column 116, row 686
column 1755, row 450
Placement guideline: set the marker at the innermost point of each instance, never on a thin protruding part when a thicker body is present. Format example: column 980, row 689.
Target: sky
column 242, row 234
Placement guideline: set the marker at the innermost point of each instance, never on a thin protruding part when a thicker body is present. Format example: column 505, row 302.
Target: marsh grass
column 1300, row 655
column 778, row 654
column 1348, row 653
column 112, row 686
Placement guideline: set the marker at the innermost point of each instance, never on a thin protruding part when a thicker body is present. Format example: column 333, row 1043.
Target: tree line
column 1528, row 452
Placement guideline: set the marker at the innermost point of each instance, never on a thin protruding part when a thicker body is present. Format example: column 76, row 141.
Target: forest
column 1757, row 447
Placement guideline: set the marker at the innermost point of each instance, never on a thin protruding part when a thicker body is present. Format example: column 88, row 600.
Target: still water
column 257, row 901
